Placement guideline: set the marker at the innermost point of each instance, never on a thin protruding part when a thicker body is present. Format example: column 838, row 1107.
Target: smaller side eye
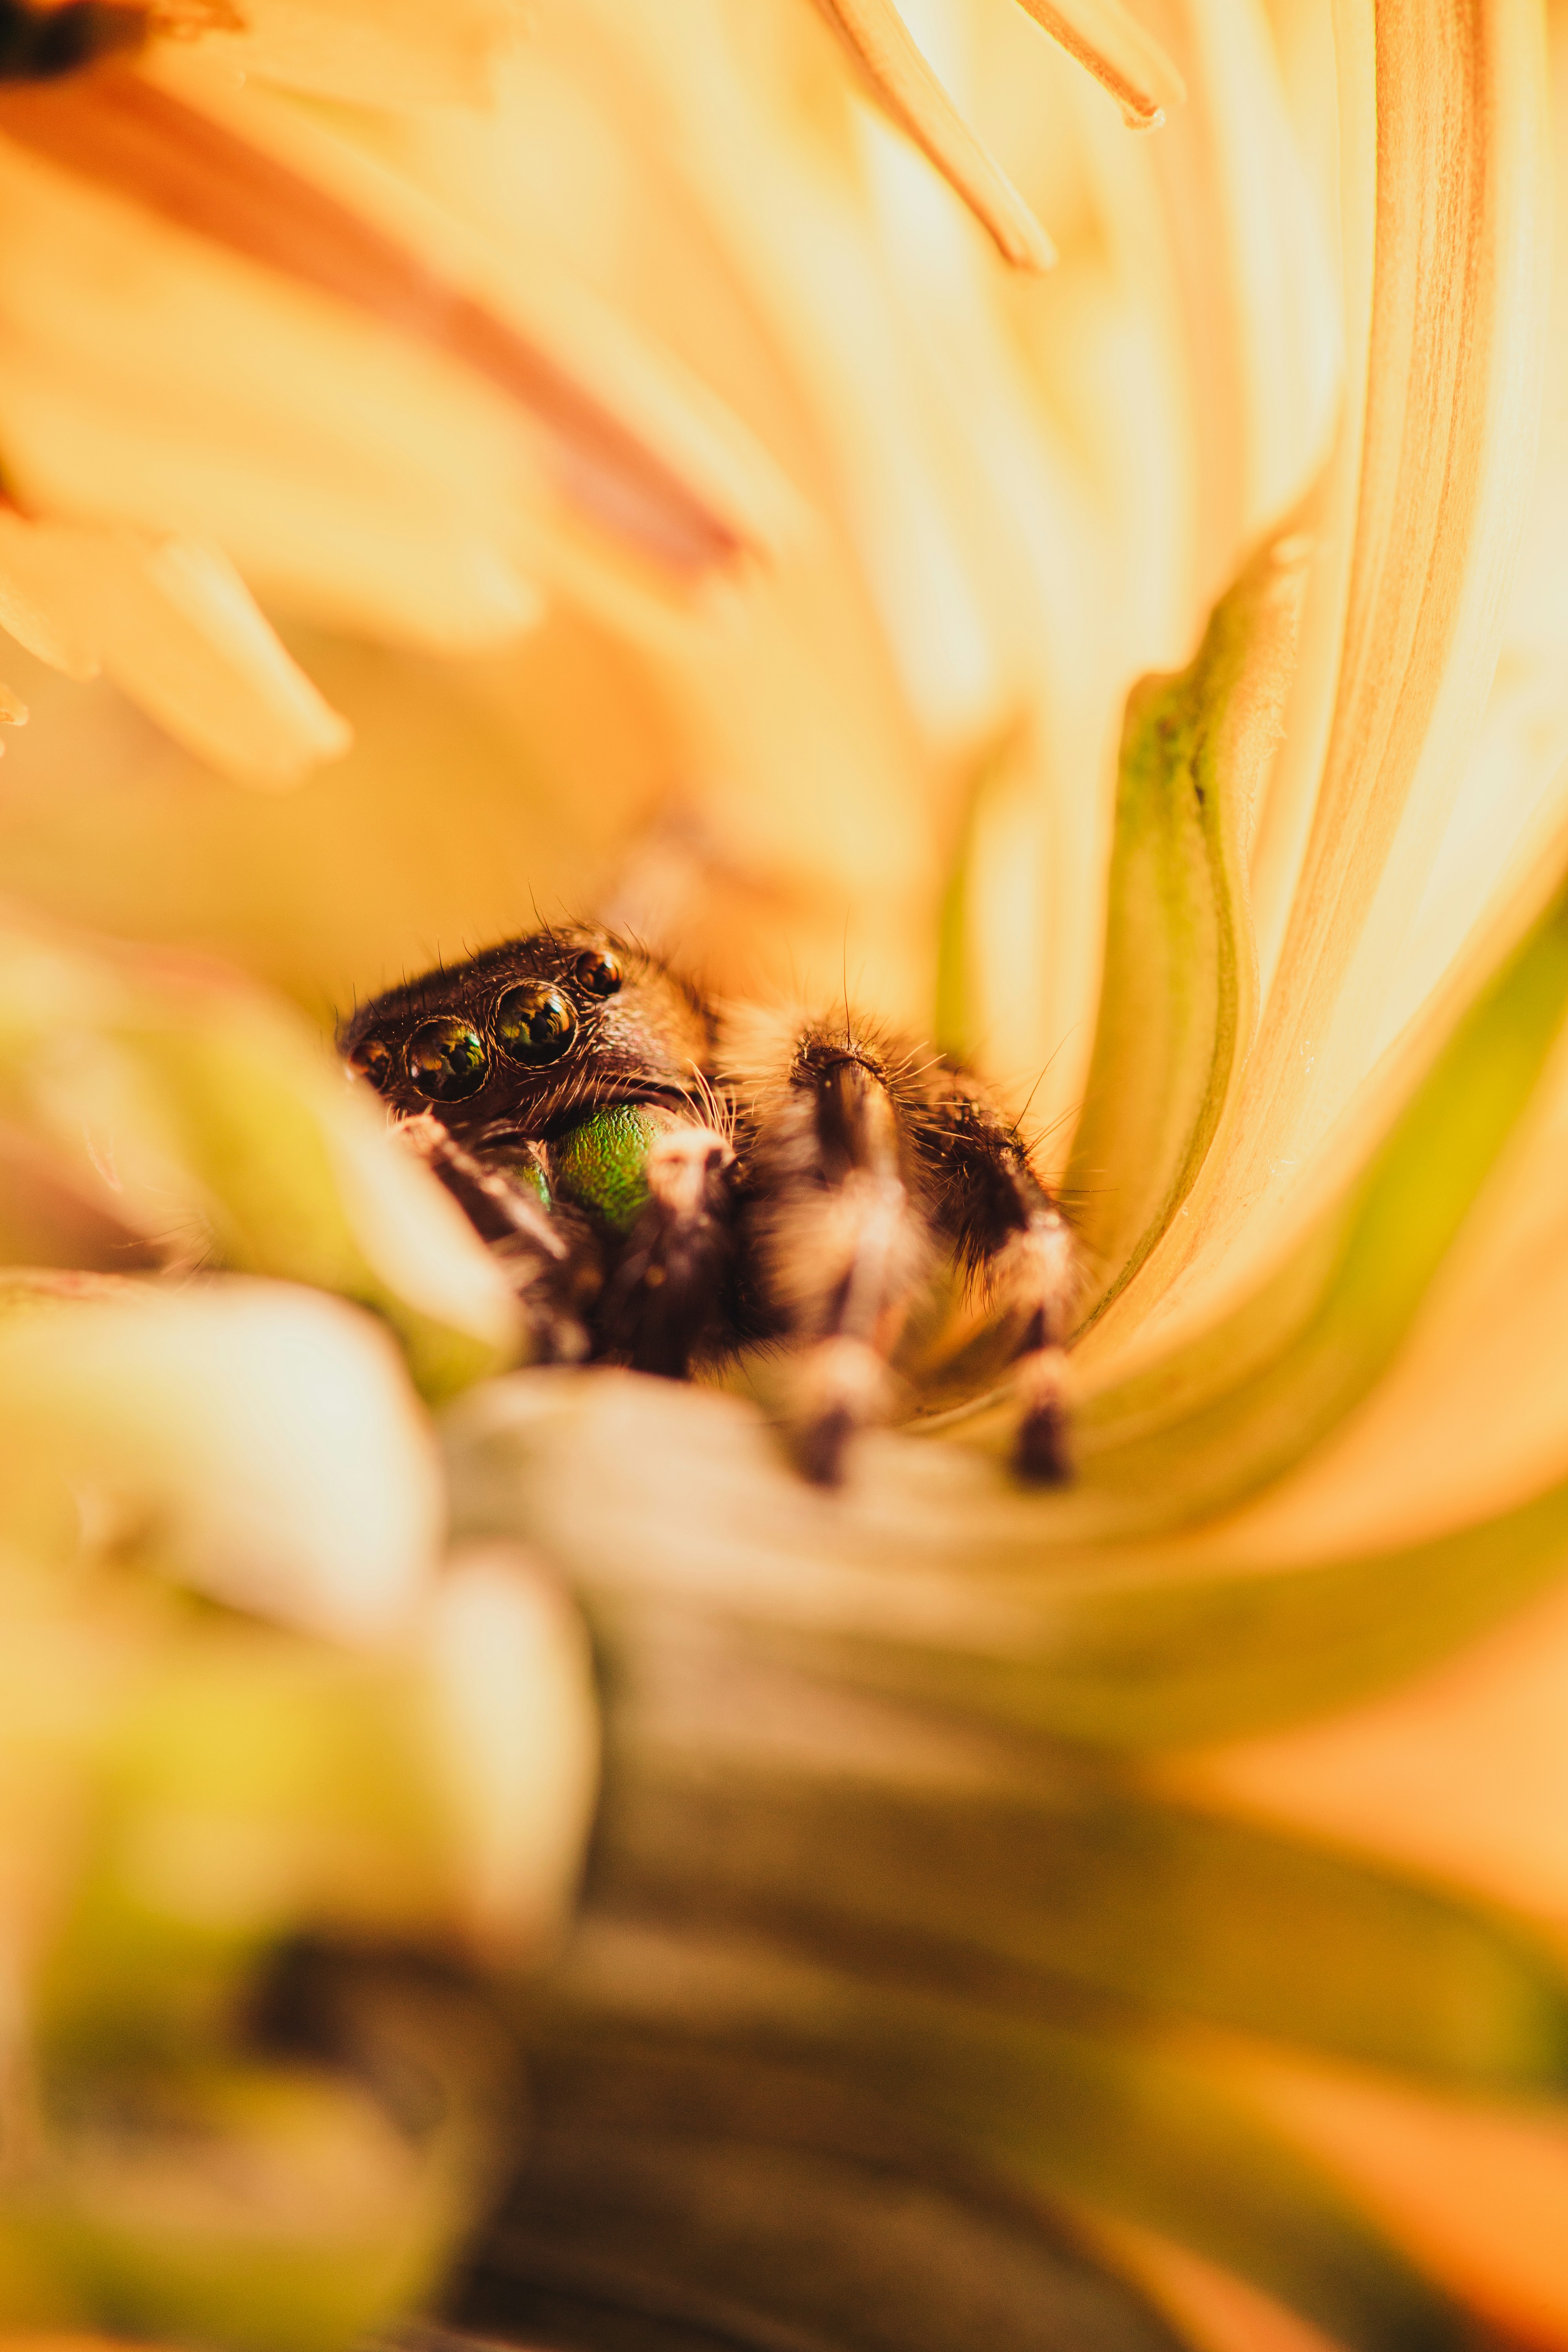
column 373, row 1061
column 534, row 1023
column 599, row 975
column 446, row 1059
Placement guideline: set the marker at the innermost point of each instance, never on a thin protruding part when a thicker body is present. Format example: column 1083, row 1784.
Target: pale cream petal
column 908, row 91
column 181, row 635
column 376, row 485
column 967, row 536
column 1274, row 254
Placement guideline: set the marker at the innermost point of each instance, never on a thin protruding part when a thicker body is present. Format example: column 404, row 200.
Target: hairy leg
column 836, row 1224
column 1006, row 1230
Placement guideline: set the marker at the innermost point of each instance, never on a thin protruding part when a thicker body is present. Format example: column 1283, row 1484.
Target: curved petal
column 1454, row 304
column 655, row 1503
column 1229, row 1411
column 1072, row 1883
column 1178, row 999
column 652, row 2025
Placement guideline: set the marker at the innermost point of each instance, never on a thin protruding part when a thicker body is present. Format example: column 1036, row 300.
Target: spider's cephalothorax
column 670, row 1183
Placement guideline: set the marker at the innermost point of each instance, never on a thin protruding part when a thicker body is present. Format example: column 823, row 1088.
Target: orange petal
column 128, row 134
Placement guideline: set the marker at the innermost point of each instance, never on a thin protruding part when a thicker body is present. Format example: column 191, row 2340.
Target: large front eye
column 446, row 1059
column 534, row 1023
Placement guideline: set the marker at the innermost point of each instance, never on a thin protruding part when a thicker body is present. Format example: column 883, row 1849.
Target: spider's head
column 531, row 1035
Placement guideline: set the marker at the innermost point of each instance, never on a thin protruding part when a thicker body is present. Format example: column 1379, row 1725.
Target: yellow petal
column 41, row 603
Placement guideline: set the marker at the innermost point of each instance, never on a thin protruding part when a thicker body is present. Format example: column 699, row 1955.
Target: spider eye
column 599, row 975
column 446, row 1059
column 534, row 1023
column 374, row 1062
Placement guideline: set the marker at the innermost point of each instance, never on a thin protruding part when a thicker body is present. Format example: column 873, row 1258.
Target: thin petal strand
column 910, row 95
column 1109, row 43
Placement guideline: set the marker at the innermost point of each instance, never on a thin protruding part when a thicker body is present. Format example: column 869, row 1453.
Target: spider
column 668, row 1183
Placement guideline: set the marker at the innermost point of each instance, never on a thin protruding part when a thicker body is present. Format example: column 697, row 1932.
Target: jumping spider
column 668, row 1183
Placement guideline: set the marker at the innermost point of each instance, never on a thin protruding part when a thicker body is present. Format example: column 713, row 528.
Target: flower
column 1094, row 1906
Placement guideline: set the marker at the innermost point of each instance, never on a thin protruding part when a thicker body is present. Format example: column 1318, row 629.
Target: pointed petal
column 174, row 626
column 41, row 603
column 183, row 638
column 1476, row 2192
